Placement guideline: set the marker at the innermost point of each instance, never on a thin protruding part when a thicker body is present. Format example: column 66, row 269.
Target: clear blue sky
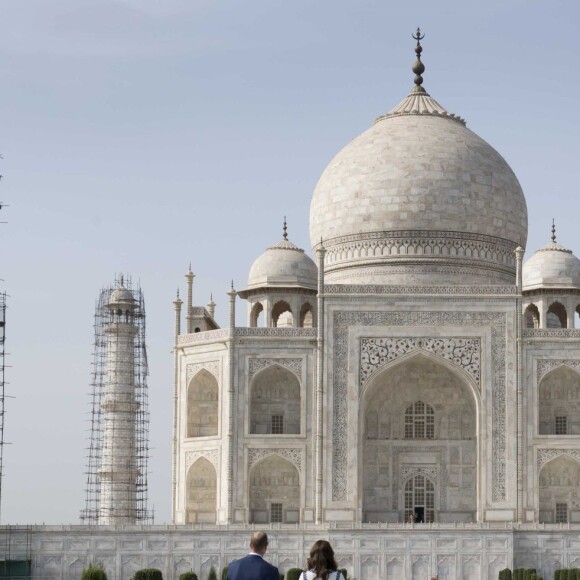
column 140, row 135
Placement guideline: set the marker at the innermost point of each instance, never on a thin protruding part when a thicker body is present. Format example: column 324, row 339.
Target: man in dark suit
column 253, row 566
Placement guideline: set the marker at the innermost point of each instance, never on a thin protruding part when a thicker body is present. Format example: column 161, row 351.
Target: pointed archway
column 420, row 427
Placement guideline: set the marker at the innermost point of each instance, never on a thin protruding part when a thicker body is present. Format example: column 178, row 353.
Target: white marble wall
column 368, row 552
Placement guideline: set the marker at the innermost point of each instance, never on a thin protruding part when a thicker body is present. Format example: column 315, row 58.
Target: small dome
column 552, row 266
column 121, row 295
column 283, row 265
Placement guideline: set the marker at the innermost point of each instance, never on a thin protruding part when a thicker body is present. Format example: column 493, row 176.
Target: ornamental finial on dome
column 285, row 230
column 418, row 67
column 553, row 231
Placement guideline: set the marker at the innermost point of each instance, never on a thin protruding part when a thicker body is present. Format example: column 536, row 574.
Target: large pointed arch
column 202, row 405
column 201, row 492
column 419, row 380
column 559, row 402
column 558, row 482
column 274, row 491
column 275, row 402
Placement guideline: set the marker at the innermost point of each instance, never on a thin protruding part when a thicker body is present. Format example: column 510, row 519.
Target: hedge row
column 98, row 573
column 567, row 574
column 520, row 574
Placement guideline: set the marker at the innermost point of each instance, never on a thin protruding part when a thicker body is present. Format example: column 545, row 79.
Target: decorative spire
column 285, row 229
column 122, row 281
column 553, row 231
column 418, row 67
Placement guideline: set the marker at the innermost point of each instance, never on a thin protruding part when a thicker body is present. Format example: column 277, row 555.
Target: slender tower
column 118, row 452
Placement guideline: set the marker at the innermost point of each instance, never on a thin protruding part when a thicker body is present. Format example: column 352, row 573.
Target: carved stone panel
column 292, row 364
column 345, row 320
column 376, row 352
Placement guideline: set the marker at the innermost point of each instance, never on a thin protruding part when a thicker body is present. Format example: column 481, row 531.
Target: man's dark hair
column 259, row 541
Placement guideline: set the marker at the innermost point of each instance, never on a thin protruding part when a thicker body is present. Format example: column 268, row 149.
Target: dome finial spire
column 418, row 67
column 553, row 231
column 285, row 230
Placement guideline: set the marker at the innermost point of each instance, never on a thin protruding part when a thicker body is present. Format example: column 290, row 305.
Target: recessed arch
column 452, row 445
column 274, row 491
column 306, row 316
column 558, row 483
column 559, row 402
column 275, row 402
column 255, row 314
column 202, row 405
column 531, row 316
column 556, row 316
column 278, row 310
column 201, row 492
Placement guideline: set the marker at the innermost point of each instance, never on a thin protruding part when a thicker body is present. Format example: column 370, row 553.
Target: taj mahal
column 411, row 392
column 415, row 370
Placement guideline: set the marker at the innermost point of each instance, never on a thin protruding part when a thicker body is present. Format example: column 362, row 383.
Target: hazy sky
column 139, row 135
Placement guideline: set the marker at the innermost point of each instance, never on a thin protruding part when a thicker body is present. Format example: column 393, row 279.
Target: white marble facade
column 417, row 368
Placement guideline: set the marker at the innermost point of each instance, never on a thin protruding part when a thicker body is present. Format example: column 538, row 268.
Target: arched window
column 201, row 492
column 256, row 315
column 419, row 500
column 306, row 317
column 556, row 316
column 202, row 405
column 577, row 317
column 275, row 402
column 419, row 421
column 532, row 317
column 559, row 402
column 274, row 492
column 282, row 314
column 559, row 480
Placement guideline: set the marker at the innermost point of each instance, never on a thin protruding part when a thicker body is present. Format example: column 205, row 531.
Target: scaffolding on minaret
column 118, row 451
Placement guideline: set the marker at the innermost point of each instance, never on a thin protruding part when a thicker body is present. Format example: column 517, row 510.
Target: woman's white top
column 312, row 576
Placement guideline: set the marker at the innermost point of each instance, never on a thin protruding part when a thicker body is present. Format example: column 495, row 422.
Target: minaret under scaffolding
column 118, row 451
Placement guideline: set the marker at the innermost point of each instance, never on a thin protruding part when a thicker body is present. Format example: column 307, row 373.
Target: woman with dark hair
column 321, row 564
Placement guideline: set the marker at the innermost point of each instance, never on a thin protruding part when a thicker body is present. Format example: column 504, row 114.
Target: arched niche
column 201, row 490
column 558, row 490
column 306, row 316
column 559, row 402
column 256, row 316
column 274, row 491
column 532, row 316
column 556, row 316
column 275, row 402
column 202, row 405
column 425, row 389
column 282, row 314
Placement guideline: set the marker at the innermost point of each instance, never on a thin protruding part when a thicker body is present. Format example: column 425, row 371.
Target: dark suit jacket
column 252, row 568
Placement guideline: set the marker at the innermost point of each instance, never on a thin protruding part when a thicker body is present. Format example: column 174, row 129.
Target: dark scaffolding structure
column 93, row 510
column 2, row 385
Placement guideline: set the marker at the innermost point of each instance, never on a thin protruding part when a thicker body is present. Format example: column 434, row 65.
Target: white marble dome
column 552, row 266
column 121, row 295
column 416, row 198
column 283, row 265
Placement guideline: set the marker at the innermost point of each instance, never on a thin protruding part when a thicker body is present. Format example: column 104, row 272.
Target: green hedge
column 294, row 574
column 94, row 573
column 188, row 576
column 148, row 574
column 225, row 573
column 212, row 574
column 343, row 572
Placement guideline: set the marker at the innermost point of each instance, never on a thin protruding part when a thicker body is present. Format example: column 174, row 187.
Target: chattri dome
column 419, row 198
column 121, row 295
column 283, row 265
column 552, row 266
